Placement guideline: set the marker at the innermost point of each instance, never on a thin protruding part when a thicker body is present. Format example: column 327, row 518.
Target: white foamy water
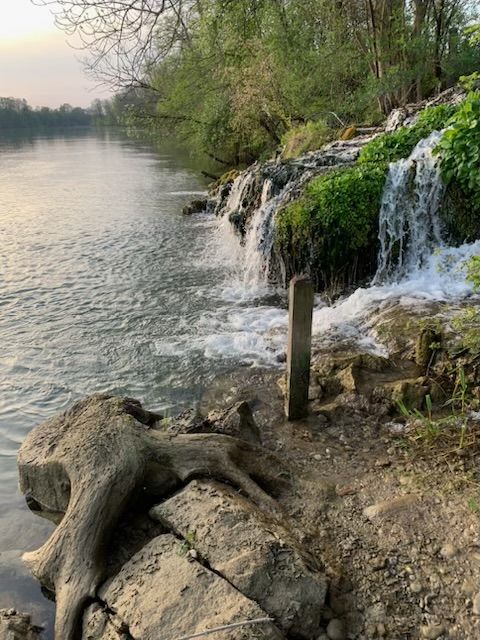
column 409, row 228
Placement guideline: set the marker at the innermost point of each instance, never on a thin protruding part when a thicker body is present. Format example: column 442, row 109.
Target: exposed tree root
column 89, row 463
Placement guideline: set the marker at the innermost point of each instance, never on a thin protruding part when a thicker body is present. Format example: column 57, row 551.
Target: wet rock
column 17, row 626
column 336, row 630
column 196, row 206
column 426, row 346
column 262, row 560
column 160, row 593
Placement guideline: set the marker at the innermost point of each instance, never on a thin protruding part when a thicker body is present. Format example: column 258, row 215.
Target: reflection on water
column 104, row 286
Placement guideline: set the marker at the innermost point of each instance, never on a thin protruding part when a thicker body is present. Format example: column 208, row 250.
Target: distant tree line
column 16, row 113
column 234, row 76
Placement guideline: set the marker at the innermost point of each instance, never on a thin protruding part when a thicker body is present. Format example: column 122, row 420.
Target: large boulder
column 251, row 550
column 163, row 592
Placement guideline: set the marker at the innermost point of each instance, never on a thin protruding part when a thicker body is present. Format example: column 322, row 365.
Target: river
column 106, row 287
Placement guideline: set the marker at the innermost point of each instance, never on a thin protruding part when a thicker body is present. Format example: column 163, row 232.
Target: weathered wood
column 299, row 347
column 90, row 461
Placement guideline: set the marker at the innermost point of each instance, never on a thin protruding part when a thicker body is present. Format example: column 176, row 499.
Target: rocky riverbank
column 373, row 531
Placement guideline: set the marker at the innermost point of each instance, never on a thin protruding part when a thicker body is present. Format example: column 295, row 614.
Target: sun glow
column 21, row 18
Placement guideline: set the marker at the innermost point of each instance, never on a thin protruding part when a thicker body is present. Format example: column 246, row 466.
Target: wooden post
column 300, row 308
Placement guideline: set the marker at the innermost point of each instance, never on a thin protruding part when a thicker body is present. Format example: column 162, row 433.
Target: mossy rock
column 410, row 393
column 229, row 176
column 331, row 230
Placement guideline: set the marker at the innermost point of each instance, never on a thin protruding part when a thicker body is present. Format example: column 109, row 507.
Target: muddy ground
column 391, row 509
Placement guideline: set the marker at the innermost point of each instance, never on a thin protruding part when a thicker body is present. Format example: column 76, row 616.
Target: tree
column 125, row 39
column 232, row 76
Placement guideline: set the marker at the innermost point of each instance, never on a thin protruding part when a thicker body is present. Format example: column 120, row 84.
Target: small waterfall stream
column 409, row 227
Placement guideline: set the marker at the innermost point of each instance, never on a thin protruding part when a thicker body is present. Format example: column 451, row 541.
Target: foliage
column 305, row 137
column 468, row 83
column 230, row 78
column 473, row 272
column 398, row 144
column 459, row 149
column 187, row 544
column 333, row 225
column 467, row 325
column 452, row 428
column 18, row 114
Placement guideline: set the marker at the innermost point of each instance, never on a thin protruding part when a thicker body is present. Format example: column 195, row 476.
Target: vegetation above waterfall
column 238, row 79
column 331, row 229
column 398, row 144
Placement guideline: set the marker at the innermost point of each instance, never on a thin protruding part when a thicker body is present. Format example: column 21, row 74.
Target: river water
column 106, row 287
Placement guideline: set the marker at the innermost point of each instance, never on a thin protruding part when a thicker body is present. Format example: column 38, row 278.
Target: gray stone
column 416, row 587
column 448, row 551
column 161, row 593
column 17, row 626
column 432, row 631
column 196, row 206
column 336, row 630
column 252, row 551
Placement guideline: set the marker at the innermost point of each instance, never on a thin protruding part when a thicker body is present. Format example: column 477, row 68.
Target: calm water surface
column 104, row 286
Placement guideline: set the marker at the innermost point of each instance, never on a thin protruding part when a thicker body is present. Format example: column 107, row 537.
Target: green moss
column 229, row 176
column 460, row 214
column 304, row 138
column 331, row 230
column 390, row 147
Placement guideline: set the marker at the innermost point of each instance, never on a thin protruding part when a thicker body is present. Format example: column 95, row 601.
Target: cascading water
column 414, row 264
column 409, row 228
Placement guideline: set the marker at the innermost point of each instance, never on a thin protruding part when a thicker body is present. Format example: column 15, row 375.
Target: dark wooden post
column 300, row 308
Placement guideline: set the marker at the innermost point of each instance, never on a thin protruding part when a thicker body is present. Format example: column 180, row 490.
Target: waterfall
column 411, row 248
column 415, row 265
column 409, row 228
column 255, row 197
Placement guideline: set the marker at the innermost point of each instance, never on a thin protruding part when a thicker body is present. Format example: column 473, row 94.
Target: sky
column 36, row 63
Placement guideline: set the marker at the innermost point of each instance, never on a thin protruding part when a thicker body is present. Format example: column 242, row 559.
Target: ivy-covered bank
column 331, row 229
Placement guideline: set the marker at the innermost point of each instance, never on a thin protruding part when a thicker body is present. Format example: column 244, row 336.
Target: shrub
column 331, row 230
column 304, row 138
column 459, row 149
column 390, row 147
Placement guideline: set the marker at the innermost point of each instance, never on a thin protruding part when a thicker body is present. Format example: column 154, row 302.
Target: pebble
column 415, row 587
column 448, row 551
column 468, row 587
column 336, row 630
column 432, row 631
column 389, row 506
column 476, row 604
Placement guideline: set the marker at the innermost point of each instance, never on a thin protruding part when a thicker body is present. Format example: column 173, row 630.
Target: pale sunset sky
column 36, row 62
